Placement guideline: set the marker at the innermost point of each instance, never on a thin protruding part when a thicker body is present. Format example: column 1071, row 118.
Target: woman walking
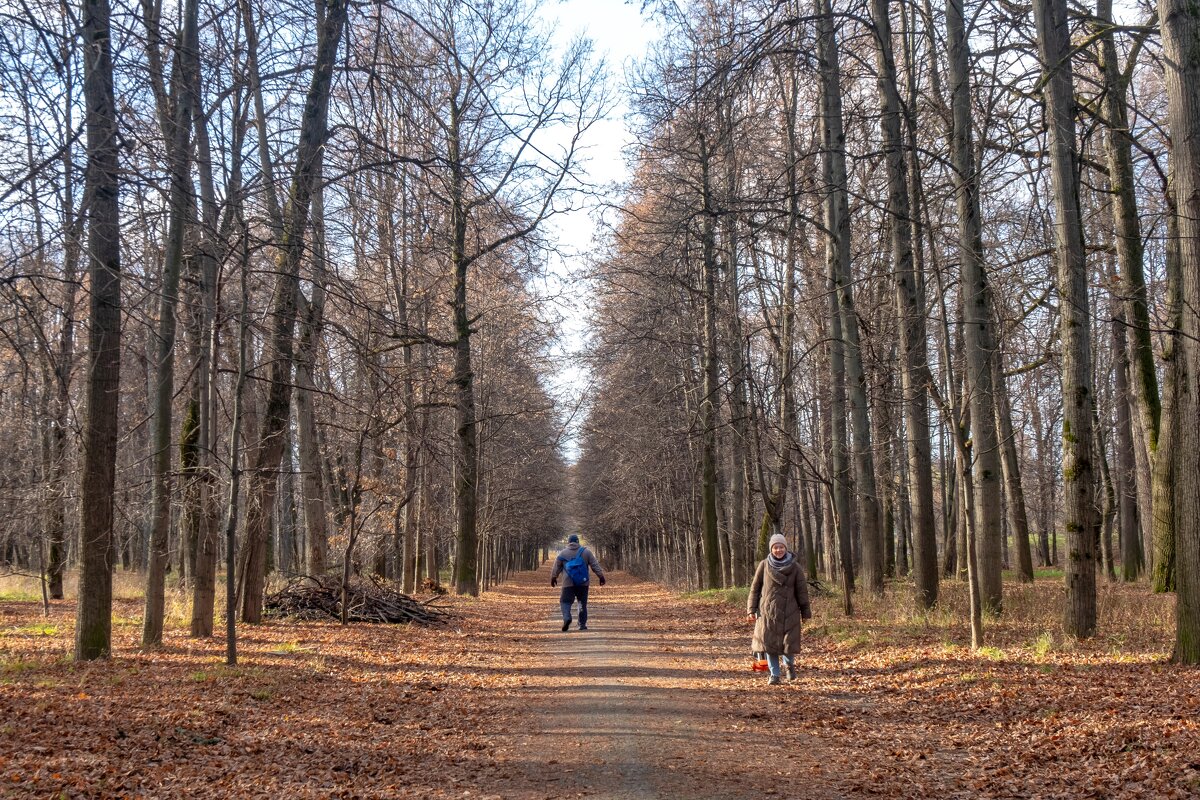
column 778, row 604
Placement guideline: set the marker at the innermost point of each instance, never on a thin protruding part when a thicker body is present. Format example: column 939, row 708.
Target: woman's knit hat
column 778, row 539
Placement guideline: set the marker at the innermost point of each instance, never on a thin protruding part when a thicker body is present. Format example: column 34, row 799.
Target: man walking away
column 572, row 564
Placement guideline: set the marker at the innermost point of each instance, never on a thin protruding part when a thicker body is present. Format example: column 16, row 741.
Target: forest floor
column 656, row 700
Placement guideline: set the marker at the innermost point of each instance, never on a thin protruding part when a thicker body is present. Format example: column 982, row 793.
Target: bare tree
column 1181, row 33
column 1054, row 47
column 331, row 19
column 93, row 624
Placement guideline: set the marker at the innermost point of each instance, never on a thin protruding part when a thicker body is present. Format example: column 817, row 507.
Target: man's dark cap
column 574, row 537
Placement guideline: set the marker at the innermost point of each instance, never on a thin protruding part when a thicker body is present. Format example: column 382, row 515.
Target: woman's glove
column 601, row 580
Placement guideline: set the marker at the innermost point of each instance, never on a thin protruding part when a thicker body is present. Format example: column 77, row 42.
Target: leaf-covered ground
column 655, row 700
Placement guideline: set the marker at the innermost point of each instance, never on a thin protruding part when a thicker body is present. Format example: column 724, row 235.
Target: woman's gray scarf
column 780, row 563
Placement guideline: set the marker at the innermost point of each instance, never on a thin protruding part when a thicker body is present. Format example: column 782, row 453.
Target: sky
column 620, row 36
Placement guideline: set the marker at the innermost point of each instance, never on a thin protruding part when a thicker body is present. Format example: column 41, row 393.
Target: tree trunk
column 911, row 319
column 279, row 349
column 63, row 361
column 466, row 569
column 312, row 485
column 212, row 251
column 1180, row 23
column 177, row 134
column 711, row 573
column 837, row 245
column 834, row 150
column 1138, row 350
column 910, row 301
column 739, row 514
column 93, row 625
column 1078, row 468
column 978, row 337
column 236, row 460
column 775, row 497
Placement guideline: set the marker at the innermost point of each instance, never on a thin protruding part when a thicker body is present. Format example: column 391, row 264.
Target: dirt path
column 646, row 703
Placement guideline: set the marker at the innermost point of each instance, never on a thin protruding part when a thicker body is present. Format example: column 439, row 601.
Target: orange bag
column 758, row 663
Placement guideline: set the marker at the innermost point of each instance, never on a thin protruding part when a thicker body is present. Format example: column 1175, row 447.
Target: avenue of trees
column 915, row 283
column 265, row 283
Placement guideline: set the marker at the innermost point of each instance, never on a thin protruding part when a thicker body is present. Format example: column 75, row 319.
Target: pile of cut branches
column 315, row 597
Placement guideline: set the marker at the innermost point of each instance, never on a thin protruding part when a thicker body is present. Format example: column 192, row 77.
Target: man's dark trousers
column 569, row 595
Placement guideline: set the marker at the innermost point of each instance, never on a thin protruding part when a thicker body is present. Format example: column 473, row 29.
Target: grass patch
column 16, row 666
column 15, row 588
column 261, row 689
column 735, row 596
column 177, row 615
column 991, row 653
column 1043, row 645
column 849, row 636
column 20, row 596
column 32, row 629
column 219, row 672
column 287, row 648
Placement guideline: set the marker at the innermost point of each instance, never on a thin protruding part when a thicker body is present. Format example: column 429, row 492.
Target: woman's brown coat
column 780, row 599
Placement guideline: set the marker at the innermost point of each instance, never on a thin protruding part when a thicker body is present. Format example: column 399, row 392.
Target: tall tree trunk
column 711, row 380
column 466, row 562
column 1165, row 460
column 910, row 309
column 93, row 625
column 287, row 556
column 204, row 572
column 978, row 336
column 914, row 373
column 835, row 153
column 1180, row 23
column 1078, row 467
column 235, row 456
column 775, row 497
column 280, row 346
column 884, row 436
column 64, row 359
column 312, row 485
column 190, row 518
column 177, row 134
column 1139, row 350
column 739, row 513
column 408, row 538
column 837, row 226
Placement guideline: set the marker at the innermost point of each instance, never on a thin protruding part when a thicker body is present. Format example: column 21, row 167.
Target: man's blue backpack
column 577, row 569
